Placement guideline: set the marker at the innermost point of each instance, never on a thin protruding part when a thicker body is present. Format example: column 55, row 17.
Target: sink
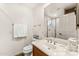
column 46, row 47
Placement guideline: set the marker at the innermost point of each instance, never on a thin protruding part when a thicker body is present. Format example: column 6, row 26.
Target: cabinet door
column 37, row 52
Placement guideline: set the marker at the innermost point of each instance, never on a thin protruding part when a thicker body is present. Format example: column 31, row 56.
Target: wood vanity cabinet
column 38, row 52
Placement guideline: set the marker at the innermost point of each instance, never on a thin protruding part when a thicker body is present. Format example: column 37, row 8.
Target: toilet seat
column 27, row 48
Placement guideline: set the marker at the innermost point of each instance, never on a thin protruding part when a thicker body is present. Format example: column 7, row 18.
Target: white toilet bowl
column 27, row 50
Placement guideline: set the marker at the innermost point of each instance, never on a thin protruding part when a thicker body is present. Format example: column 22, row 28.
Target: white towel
column 20, row 30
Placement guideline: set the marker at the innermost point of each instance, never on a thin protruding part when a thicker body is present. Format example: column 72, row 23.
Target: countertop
column 58, row 50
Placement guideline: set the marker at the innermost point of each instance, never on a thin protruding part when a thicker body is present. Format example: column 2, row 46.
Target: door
column 51, row 28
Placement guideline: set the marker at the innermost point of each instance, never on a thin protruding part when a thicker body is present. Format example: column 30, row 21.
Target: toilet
column 27, row 50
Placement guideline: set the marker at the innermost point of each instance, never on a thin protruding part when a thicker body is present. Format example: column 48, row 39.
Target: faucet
column 50, row 41
column 54, row 42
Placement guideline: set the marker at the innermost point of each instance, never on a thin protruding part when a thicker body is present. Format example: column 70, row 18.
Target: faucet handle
column 60, row 33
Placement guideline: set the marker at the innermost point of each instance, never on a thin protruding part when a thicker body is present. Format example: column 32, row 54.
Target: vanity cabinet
column 38, row 52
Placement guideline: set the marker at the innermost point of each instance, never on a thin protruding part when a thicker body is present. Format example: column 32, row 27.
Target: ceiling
column 29, row 5
column 54, row 7
column 61, row 5
column 33, row 5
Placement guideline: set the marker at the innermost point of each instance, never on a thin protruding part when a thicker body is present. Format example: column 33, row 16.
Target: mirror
column 78, row 24
column 62, row 22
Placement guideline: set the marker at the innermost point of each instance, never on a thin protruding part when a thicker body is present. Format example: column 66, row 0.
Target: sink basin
column 46, row 47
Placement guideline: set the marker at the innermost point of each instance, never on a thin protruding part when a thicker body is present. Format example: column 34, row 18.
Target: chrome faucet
column 50, row 41
column 54, row 42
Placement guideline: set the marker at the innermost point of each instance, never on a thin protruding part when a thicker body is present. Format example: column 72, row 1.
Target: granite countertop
column 49, row 49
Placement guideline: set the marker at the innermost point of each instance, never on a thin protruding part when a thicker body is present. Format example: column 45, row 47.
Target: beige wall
column 38, row 14
column 11, row 13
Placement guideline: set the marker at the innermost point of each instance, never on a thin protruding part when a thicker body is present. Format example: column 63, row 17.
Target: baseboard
column 20, row 54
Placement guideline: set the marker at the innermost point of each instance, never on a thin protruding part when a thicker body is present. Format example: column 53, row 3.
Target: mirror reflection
column 62, row 23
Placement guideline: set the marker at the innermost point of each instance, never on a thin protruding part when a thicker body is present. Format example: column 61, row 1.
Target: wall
column 9, row 14
column 39, row 22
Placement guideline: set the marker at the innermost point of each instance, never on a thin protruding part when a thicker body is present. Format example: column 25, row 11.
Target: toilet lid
column 28, row 47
